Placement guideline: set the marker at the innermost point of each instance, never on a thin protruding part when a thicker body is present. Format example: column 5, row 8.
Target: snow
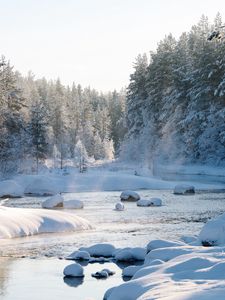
column 182, row 189
column 17, row 222
column 149, row 202
column 100, row 250
column 189, row 276
column 76, row 204
column 213, row 232
column 54, row 201
column 129, row 196
column 155, row 244
column 74, row 270
column 130, row 254
column 11, row 189
column 79, row 255
column 119, row 206
column 42, row 186
column 117, row 177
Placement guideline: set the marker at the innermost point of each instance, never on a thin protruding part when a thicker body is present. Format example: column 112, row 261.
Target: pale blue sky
column 92, row 42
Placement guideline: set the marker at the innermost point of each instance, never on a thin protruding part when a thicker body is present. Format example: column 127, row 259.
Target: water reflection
column 73, row 281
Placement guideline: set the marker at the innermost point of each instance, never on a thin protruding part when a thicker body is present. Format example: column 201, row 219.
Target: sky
column 92, row 42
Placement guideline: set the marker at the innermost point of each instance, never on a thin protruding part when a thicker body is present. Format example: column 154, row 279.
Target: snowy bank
column 101, row 179
column 17, row 222
column 10, row 189
column 42, row 186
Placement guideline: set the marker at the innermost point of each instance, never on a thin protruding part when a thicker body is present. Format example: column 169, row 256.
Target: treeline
column 176, row 100
column 42, row 119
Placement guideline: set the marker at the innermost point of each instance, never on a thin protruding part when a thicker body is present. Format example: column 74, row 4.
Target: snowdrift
column 18, row 222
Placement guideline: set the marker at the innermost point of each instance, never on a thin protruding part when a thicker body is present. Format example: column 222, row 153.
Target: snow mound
column 129, row 196
column 17, row 222
column 119, row 206
column 168, row 253
column 43, row 186
column 155, row 244
column 74, row 270
column 182, row 189
column 75, row 204
column 130, row 254
column 79, row 255
column 54, row 201
column 10, row 189
column 149, row 202
column 213, row 232
column 130, row 271
column 100, row 250
column 187, row 277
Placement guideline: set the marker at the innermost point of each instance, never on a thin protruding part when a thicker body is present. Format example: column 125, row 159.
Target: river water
column 30, row 268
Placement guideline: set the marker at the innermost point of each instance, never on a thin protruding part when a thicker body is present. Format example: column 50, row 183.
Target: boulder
column 74, row 270
column 74, row 204
column 52, row 202
column 149, row 202
column 119, row 206
column 129, row 196
column 183, row 189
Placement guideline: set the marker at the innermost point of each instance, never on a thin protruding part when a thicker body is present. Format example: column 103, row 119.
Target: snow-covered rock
column 52, row 202
column 149, row 202
column 109, row 272
column 79, row 255
column 75, row 204
column 182, row 189
column 74, row 270
column 213, row 232
column 97, row 250
column 16, row 222
column 130, row 254
column 129, row 196
column 100, row 274
column 10, row 189
column 119, row 206
column 43, row 186
column 155, row 244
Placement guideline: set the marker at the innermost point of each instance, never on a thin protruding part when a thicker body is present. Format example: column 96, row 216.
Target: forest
column 173, row 111
column 176, row 101
column 43, row 120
